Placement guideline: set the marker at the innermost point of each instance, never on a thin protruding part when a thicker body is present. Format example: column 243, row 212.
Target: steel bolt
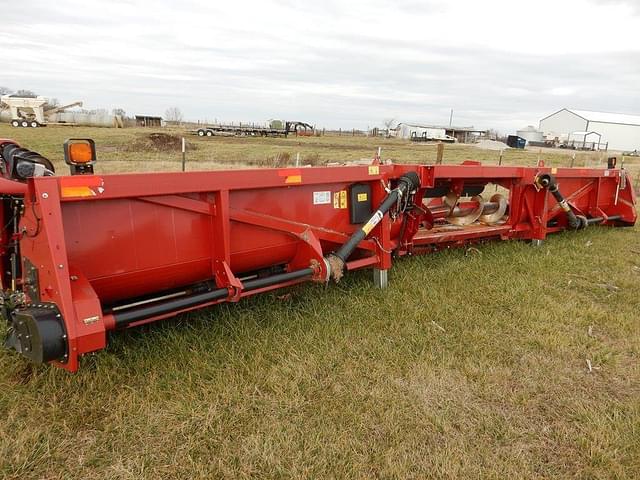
column 45, row 195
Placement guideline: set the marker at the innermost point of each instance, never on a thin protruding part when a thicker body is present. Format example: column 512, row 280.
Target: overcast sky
column 336, row 63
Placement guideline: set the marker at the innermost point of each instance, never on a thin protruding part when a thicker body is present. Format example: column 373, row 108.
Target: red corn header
column 85, row 254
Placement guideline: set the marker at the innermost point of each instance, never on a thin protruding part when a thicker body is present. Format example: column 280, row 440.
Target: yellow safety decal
column 374, row 170
column 362, row 197
column 554, row 170
column 340, row 199
column 373, row 221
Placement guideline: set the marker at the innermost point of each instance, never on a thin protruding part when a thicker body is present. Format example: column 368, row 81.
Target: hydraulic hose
column 336, row 261
column 548, row 181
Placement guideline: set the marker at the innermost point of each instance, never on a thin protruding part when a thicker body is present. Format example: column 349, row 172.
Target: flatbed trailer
column 252, row 130
column 87, row 254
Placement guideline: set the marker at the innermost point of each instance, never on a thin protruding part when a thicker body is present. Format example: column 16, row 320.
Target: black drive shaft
column 406, row 184
column 547, row 181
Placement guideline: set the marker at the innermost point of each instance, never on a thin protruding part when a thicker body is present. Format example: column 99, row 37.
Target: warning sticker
column 373, row 221
column 340, row 199
column 322, row 198
column 362, row 197
column 374, row 170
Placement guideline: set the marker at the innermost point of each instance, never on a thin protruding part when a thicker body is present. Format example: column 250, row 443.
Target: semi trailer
column 275, row 128
column 86, row 254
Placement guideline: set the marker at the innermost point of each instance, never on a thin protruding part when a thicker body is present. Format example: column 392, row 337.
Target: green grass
column 471, row 365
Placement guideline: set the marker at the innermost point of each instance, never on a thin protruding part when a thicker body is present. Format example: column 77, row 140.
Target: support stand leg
column 380, row 278
column 537, row 242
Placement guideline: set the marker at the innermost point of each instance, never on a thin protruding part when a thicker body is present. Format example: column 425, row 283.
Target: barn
column 618, row 131
column 148, row 121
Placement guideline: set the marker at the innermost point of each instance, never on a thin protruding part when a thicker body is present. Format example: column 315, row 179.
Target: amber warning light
column 80, row 155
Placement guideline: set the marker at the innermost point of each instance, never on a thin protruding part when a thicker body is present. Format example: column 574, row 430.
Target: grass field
column 471, row 364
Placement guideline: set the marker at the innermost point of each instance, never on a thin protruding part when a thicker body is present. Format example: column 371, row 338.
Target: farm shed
column 465, row 134
column 620, row 131
column 460, row 134
column 148, row 121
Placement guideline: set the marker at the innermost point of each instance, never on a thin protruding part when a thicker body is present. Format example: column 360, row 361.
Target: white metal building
column 620, row 131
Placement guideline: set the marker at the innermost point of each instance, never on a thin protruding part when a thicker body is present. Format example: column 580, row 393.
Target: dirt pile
column 159, row 142
column 492, row 145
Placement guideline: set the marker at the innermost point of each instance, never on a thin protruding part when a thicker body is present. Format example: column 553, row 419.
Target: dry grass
column 468, row 366
column 130, row 150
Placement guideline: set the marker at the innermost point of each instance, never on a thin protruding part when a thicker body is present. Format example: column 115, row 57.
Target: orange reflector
column 291, row 175
column 81, row 186
column 80, row 153
column 77, row 192
column 293, row 179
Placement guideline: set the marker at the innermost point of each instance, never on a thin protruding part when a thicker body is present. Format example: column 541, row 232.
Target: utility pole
column 451, row 117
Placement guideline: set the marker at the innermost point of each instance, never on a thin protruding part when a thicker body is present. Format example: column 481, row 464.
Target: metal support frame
column 381, row 278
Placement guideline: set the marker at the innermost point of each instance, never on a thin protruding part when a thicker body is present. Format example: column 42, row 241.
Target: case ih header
column 86, row 254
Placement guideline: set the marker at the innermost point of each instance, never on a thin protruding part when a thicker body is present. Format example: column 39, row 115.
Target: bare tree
column 493, row 134
column 389, row 124
column 52, row 103
column 25, row 93
column 173, row 114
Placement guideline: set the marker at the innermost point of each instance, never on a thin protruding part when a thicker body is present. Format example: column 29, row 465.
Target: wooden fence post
column 439, row 153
